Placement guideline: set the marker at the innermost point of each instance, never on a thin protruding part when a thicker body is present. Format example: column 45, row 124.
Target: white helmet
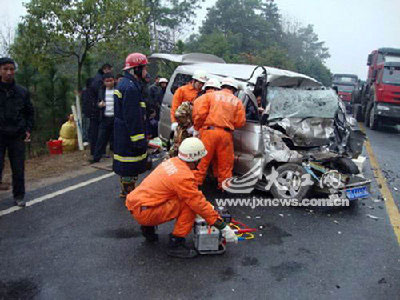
column 229, row 81
column 200, row 75
column 191, row 150
column 212, row 82
column 163, row 80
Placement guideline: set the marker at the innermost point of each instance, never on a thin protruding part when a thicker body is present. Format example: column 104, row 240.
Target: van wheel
column 290, row 183
column 345, row 165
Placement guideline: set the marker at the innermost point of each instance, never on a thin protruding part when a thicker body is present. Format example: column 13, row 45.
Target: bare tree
column 7, row 34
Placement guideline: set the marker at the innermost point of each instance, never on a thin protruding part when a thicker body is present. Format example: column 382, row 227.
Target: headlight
column 382, row 107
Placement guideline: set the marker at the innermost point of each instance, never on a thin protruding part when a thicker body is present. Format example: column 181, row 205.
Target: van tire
column 345, row 165
column 297, row 171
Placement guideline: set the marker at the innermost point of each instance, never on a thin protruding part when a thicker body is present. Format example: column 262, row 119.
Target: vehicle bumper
column 363, row 183
column 388, row 111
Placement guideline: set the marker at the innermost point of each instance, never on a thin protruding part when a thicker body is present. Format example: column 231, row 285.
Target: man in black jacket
column 16, row 123
column 95, row 112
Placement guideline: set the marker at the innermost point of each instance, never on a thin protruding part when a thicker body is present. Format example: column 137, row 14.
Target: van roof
column 249, row 73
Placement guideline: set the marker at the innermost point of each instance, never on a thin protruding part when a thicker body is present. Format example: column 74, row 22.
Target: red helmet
column 135, row 60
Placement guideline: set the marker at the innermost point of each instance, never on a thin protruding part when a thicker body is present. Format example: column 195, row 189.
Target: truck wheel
column 366, row 115
column 290, row 183
column 373, row 119
column 357, row 112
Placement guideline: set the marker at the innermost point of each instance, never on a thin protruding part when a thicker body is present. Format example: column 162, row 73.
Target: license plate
column 356, row 193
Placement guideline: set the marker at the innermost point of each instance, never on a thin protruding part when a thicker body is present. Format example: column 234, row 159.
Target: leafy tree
column 66, row 28
column 167, row 19
column 253, row 32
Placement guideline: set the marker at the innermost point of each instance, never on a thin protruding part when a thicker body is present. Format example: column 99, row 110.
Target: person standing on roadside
column 86, row 112
column 95, row 112
column 106, row 127
column 130, row 143
column 16, row 123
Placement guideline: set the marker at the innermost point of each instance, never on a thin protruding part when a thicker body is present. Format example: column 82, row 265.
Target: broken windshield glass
column 299, row 103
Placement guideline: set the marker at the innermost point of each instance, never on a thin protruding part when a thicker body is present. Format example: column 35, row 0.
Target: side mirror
column 369, row 60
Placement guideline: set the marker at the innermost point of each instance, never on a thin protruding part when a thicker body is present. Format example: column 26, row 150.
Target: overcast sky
column 351, row 29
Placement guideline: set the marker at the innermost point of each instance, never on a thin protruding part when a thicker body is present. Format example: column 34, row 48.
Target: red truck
column 379, row 103
column 347, row 87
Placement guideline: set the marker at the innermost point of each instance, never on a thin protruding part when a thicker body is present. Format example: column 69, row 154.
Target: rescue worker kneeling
column 170, row 192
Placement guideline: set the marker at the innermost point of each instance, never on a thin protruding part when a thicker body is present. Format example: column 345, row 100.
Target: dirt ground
column 48, row 169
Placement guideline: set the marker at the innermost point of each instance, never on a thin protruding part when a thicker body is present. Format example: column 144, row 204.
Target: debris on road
column 382, row 280
column 334, row 221
column 281, row 215
column 339, row 232
column 395, row 188
column 372, row 217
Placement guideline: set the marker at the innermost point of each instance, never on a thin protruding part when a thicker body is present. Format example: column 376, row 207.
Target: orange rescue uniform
column 170, row 192
column 216, row 115
column 182, row 94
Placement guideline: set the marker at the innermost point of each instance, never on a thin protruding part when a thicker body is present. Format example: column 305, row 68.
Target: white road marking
column 55, row 194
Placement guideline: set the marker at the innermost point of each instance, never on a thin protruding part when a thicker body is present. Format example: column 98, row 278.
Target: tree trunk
column 79, row 85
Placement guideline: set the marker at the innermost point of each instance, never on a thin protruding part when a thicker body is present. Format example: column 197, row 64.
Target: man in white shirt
column 106, row 128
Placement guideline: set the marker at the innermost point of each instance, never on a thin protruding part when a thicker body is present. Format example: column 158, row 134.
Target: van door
column 164, row 125
column 248, row 138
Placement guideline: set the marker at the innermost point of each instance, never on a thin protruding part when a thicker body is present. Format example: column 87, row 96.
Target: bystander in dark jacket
column 16, row 123
column 93, row 93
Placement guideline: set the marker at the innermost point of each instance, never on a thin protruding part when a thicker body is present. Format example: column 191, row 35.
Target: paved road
column 83, row 244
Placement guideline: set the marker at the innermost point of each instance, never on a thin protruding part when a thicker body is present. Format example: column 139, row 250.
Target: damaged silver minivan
column 297, row 137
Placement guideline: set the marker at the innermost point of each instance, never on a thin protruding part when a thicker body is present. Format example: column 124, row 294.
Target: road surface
column 79, row 242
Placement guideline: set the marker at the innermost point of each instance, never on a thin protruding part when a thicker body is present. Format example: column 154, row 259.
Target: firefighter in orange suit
column 170, row 192
column 188, row 92
column 217, row 115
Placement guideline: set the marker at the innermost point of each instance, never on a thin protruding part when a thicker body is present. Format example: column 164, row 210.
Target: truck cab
column 348, row 88
column 380, row 101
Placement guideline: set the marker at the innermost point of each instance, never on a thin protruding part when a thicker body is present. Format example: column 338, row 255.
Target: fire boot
column 149, row 232
column 127, row 186
column 178, row 248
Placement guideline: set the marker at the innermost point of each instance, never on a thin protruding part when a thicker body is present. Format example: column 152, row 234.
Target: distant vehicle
column 348, row 86
column 379, row 103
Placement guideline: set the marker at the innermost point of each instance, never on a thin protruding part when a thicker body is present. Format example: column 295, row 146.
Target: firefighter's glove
column 174, row 126
column 229, row 235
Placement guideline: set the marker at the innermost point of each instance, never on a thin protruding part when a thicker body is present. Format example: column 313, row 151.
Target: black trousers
column 106, row 135
column 93, row 134
column 15, row 146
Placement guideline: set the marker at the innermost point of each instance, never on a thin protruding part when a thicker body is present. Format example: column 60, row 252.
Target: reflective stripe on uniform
column 118, row 93
column 130, row 158
column 143, row 104
column 135, row 138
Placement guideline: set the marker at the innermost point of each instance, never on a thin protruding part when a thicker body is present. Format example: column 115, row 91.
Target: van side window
column 251, row 111
column 180, row 79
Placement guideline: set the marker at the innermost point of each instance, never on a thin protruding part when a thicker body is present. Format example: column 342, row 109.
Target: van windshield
column 298, row 103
